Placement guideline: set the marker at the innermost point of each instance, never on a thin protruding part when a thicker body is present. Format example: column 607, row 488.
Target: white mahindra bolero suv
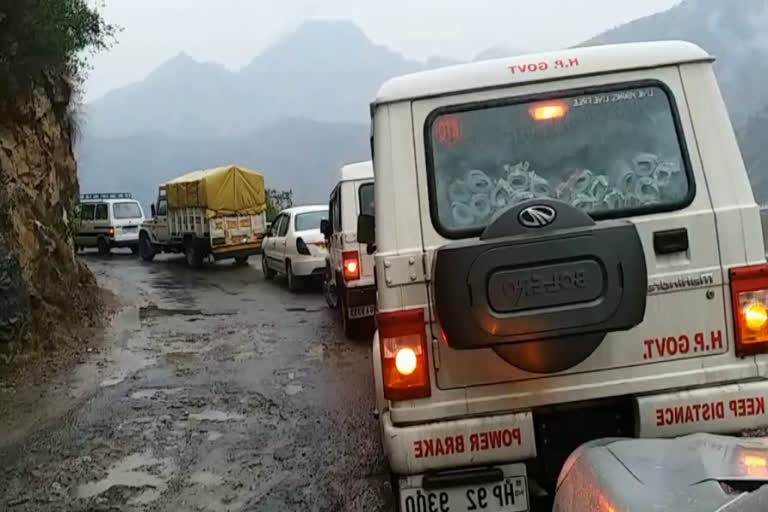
column 567, row 248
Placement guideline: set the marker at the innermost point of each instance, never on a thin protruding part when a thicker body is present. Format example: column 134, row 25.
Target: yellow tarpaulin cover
column 230, row 190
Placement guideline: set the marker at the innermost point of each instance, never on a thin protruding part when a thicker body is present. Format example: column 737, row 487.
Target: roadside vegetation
column 47, row 36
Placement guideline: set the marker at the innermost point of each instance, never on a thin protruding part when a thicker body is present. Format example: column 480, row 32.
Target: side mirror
column 325, row 227
column 366, row 231
column 152, row 209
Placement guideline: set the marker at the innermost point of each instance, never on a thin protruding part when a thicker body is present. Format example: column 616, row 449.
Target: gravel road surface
column 211, row 390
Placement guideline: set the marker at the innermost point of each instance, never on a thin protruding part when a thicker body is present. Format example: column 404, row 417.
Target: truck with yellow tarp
column 219, row 213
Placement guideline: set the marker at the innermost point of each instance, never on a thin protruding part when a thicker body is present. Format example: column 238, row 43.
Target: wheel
column 294, row 283
column 269, row 274
column 146, row 250
column 329, row 289
column 193, row 255
column 135, row 250
column 241, row 260
column 103, row 247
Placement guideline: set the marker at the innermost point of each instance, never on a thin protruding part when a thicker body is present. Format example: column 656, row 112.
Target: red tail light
column 351, row 262
column 749, row 293
column 111, row 231
column 404, row 362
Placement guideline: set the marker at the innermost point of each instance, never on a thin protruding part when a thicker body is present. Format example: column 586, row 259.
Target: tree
column 278, row 200
column 40, row 36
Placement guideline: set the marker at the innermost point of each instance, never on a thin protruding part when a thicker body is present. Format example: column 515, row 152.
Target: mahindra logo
column 537, row 216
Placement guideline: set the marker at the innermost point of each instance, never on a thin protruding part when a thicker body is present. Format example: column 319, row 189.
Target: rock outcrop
column 45, row 292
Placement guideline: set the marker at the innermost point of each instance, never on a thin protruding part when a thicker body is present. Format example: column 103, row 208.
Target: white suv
column 294, row 245
column 567, row 248
column 107, row 221
column 349, row 281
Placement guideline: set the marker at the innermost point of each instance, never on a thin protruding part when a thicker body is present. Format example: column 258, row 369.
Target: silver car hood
column 700, row 472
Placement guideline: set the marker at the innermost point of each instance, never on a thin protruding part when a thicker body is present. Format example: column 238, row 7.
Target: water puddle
column 152, row 311
column 211, row 415
column 127, row 473
column 148, row 394
column 316, row 352
column 206, row 479
column 293, row 389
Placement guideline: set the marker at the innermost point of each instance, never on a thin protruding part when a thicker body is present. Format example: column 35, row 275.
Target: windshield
column 128, row 210
column 310, row 220
column 366, row 199
column 602, row 152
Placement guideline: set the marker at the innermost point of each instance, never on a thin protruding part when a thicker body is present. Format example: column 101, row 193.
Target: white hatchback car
column 294, row 245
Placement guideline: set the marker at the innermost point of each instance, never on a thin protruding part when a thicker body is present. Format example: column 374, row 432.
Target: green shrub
column 39, row 36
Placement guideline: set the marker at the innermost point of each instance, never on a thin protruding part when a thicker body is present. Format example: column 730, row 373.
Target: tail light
column 111, row 231
column 749, row 293
column 301, row 247
column 404, row 362
column 351, row 262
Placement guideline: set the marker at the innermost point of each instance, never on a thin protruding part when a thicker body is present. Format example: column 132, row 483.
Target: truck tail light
column 111, row 231
column 749, row 293
column 301, row 247
column 351, row 262
column 404, row 363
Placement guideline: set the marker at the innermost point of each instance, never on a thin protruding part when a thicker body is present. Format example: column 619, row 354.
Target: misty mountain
column 188, row 115
column 325, row 71
column 733, row 31
column 296, row 153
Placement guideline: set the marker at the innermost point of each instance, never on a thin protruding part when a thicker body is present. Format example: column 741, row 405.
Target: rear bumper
column 236, row 251
column 550, row 434
column 308, row 266
column 450, row 444
column 124, row 241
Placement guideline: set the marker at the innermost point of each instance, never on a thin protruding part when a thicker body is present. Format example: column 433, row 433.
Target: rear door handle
column 670, row 241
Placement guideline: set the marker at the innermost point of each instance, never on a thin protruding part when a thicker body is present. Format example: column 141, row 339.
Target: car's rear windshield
column 310, row 220
column 609, row 153
column 127, row 210
column 366, row 199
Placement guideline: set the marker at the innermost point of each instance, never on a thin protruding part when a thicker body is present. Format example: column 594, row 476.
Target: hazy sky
column 232, row 32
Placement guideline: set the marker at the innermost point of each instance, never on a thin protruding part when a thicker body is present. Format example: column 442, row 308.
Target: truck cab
column 349, row 283
column 567, row 248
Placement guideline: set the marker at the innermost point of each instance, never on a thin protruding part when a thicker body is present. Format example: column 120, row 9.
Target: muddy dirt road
column 212, row 390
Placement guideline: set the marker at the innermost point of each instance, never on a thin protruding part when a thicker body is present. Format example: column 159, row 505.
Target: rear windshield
column 126, row 210
column 608, row 153
column 310, row 220
column 366, row 199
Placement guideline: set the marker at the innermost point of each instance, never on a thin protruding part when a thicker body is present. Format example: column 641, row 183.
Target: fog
column 232, row 32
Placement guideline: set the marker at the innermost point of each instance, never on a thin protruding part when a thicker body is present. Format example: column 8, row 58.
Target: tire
column 241, row 260
column 193, row 255
column 269, row 274
column 329, row 289
column 394, row 482
column 103, row 247
column 146, row 250
column 294, row 282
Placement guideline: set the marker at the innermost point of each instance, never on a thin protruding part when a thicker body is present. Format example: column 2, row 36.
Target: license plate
column 508, row 495
column 131, row 229
column 362, row 311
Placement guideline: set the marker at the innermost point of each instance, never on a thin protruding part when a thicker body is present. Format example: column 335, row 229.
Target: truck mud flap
column 542, row 286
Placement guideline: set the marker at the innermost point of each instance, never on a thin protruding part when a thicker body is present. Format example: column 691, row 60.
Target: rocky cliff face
column 45, row 292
